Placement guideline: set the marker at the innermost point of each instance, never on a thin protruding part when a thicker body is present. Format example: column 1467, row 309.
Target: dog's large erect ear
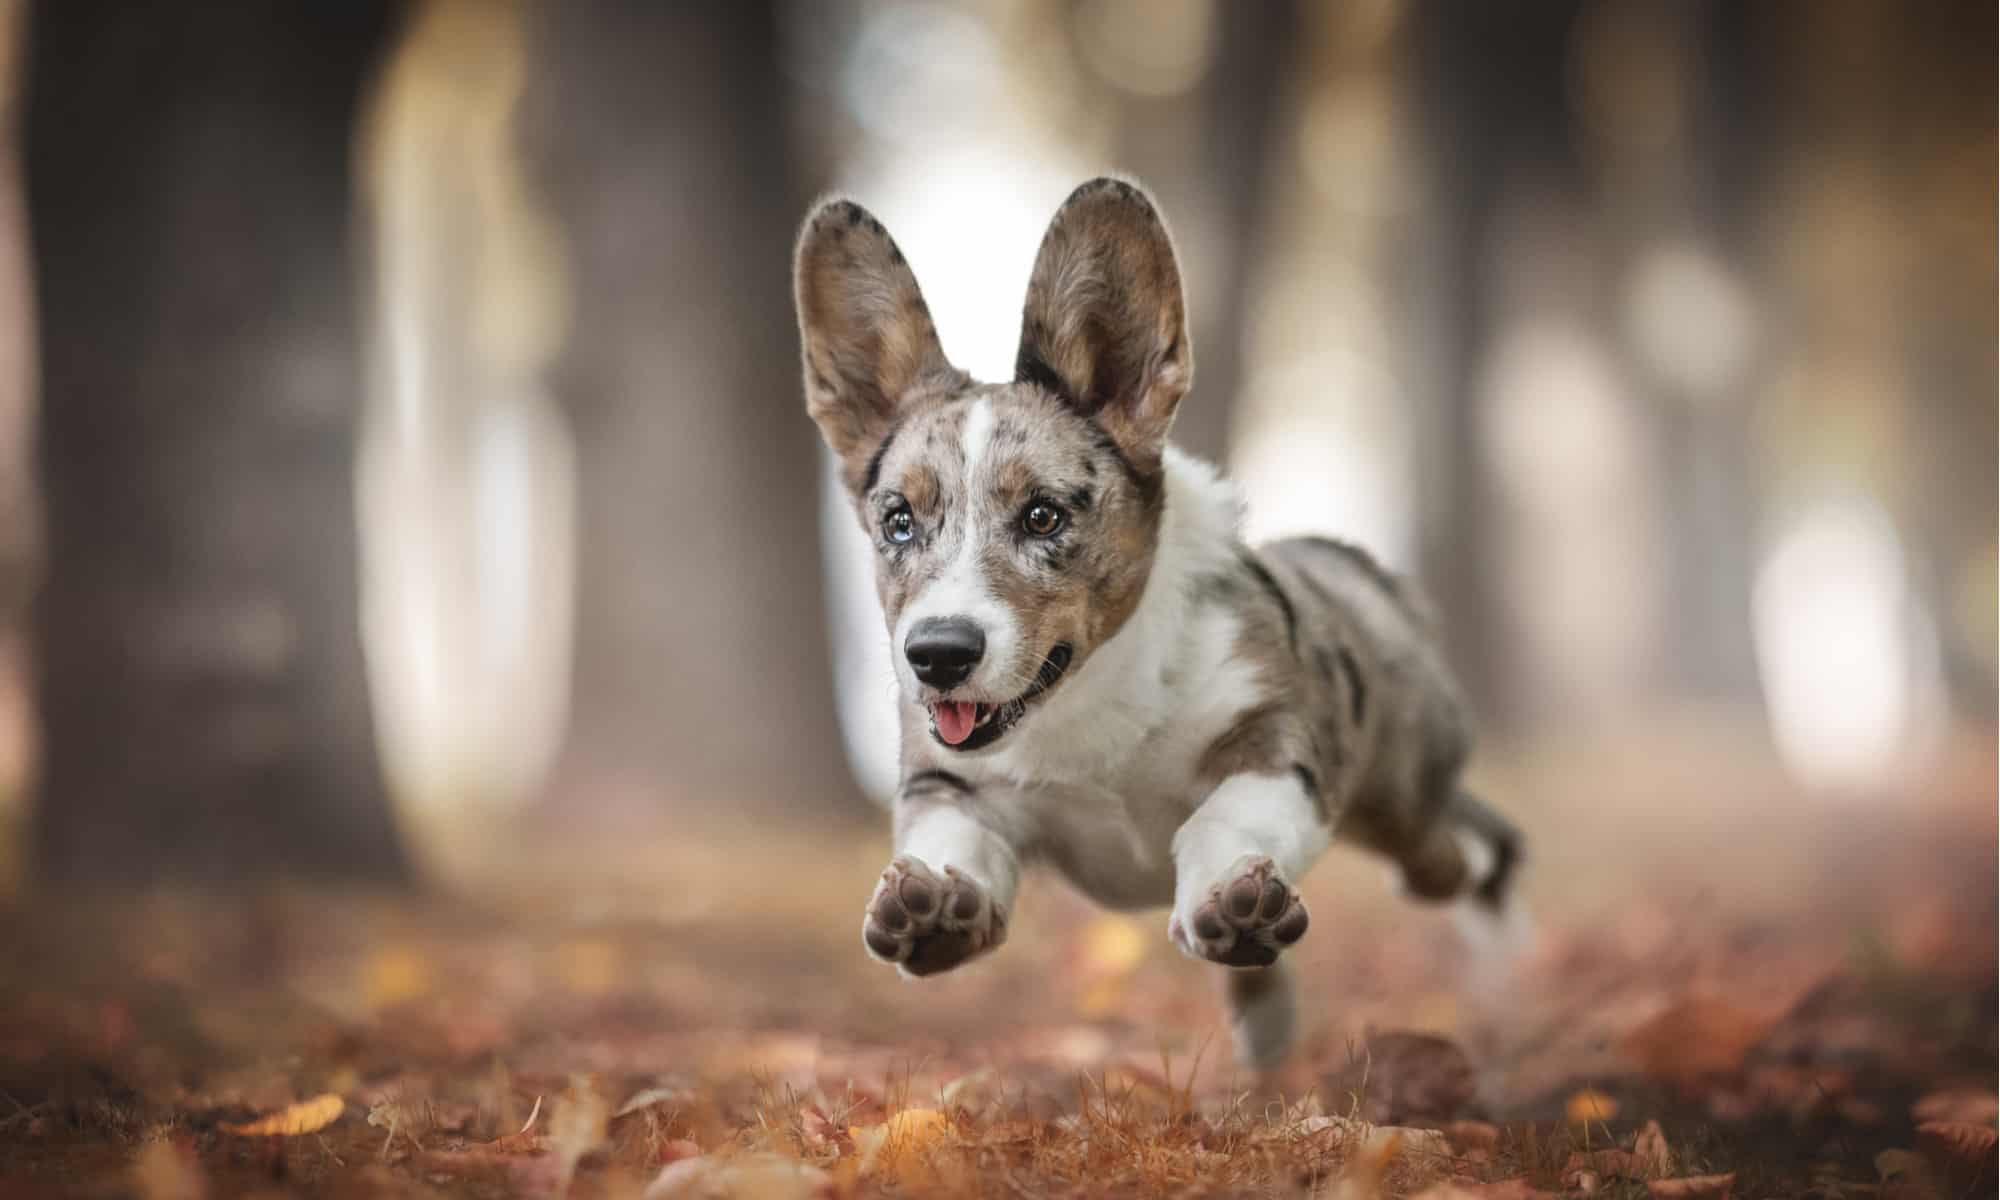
column 866, row 334
column 1105, row 325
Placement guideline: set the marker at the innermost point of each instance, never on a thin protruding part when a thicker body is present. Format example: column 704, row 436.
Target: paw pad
column 1245, row 920
column 926, row 922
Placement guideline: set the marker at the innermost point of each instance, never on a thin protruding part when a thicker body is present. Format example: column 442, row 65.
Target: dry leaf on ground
column 1694, row 1187
column 164, row 1170
column 1973, row 1106
column 1611, row 1164
column 307, row 1116
column 1650, row 1148
column 1963, row 1152
column 1504, row 1189
column 882, row 1145
column 1473, row 1137
column 755, row 1177
column 577, row 1126
column 649, row 1097
column 1696, row 1039
column 1589, row 1106
column 1400, row 1076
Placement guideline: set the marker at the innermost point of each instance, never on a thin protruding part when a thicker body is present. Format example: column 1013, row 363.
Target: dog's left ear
column 1105, row 326
column 866, row 334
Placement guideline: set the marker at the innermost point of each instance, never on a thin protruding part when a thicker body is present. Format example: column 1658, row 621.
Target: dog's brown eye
column 899, row 526
column 1041, row 518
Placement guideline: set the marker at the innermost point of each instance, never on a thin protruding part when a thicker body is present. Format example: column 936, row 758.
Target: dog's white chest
column 1113, row 838
column 1106, row 790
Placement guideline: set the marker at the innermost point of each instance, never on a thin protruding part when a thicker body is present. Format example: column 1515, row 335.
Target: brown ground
column 1800, row 994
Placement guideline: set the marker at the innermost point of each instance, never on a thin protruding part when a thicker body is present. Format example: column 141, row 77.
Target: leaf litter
column 1660, row 1039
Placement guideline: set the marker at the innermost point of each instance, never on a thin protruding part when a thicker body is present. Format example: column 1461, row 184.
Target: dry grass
column 1787, row 996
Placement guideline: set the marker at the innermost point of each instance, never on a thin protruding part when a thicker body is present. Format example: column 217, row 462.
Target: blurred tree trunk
column 703, row 682
column 200, row 678
column 1488, row 89
column 1219, row 194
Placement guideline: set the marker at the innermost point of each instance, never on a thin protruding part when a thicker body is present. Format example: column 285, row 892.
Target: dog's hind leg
column 1469, row 851
column 1263, row 1014
column 1475, row 824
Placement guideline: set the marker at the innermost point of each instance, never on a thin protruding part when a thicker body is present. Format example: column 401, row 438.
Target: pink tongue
column 954, row 720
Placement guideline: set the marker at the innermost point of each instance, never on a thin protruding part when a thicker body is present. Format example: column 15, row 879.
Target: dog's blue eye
column 899, row 526
column 1041, row 519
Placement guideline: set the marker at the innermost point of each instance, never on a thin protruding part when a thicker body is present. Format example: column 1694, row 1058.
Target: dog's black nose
column 943, row 650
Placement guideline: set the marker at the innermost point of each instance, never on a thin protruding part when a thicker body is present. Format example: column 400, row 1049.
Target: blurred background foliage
column 403, row 445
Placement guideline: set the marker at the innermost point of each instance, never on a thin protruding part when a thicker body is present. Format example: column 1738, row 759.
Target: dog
column 1096, row 673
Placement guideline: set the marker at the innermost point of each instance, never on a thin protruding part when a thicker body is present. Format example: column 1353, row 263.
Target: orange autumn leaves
column 307, row 1116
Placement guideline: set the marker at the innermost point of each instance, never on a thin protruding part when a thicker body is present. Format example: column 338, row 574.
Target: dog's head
column 1014, row 523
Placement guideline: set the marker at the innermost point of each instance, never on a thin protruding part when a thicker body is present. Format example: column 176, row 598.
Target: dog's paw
column 925, row 922
column 1244, row 920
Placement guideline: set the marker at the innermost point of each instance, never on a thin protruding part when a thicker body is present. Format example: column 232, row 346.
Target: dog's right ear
column 865, row 332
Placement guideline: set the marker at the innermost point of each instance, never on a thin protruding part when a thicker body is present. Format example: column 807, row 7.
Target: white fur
column 1101, row 778
column 1157, row 666
column 1263, row 1014
column 961, row 590
column 941, row 835
column 1102, row 774
column 1247, row 816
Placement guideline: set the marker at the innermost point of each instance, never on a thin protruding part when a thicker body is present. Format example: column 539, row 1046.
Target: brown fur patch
column 1264, row 740
column 1078, row 586
column 867, row 341
column 1105, row 324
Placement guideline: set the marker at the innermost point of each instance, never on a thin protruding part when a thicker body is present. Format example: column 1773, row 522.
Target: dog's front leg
column 1235, row 859
column 945, row 896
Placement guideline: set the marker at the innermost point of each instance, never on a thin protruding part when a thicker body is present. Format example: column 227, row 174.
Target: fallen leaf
column 1973, row 1106
column 1463, row 1189
column 1112, row 947
column 577, row 1126
column 1328, row 1133
column 1363, row 1177
column 521, row 1141
column 1891, row 1163
column 1612, row 1164
column 882, row 1145
column 1473, row 1136
column 966, row 1087
column 753, row 1177
column 394, row 1117
column 1508, row 1189
column 820, row 1134
column 1694, row 1187
column 1397, row 1077
column 163, row 1170
column 1113, row 943
column 395, row 974
column 1964, row 1153
column 1696, row 1039
column 1416, row 1143
column 589, row 967
column 649, row 1097
column 678, row 1149
column 1590, row 1106
column 514, row 1143
column 1650, row 1148
column 307, row 1116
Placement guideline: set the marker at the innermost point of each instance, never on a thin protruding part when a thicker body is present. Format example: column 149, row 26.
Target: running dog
column 1097, row 674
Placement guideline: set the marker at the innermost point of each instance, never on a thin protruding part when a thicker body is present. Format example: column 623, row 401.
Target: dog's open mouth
column 969, row 725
